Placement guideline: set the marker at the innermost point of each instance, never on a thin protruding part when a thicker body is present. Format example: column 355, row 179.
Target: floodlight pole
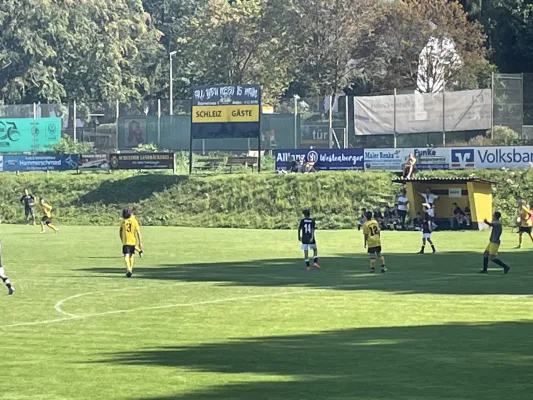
column 171, row 94
column 296, row 98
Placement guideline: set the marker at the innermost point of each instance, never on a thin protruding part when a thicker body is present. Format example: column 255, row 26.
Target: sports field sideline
column 232, row 314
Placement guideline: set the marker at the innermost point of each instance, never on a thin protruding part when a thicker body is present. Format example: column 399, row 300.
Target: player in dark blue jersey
column 306, row 235
column 426, row 234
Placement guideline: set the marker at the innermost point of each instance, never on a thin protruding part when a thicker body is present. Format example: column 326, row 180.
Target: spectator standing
column 402, row 202
column 28, row 201
column 429, row 205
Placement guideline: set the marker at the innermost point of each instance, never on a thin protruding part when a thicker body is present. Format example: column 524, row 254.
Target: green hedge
column 267, row 200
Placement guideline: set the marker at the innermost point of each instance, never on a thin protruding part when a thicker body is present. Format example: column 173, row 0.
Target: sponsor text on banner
column 384, row 159
column 58, row 162
column 324, row 159
column 141, row 161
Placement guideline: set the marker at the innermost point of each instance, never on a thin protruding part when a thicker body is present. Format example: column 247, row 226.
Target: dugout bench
column 473, row 192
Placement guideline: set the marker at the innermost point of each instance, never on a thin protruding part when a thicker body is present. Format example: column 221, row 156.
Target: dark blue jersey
column 28, row 200
column 306, row 231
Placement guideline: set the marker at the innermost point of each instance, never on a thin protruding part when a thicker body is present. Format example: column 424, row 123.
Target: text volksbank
column 502, row 156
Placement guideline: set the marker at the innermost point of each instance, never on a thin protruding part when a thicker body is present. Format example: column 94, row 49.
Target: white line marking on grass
column 45, row 322
column 59, row 304
column 70, row 316
column 178, row 305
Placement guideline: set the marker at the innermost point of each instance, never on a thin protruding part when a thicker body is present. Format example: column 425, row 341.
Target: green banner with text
column 28, row 134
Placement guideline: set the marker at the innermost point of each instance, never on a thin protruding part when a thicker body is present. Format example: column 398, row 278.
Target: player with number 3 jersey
column 130, row 235
column 306, row 235
column 372, row 236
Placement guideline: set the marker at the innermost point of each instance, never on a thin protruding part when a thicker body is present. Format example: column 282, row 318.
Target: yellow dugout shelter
column 466, row 192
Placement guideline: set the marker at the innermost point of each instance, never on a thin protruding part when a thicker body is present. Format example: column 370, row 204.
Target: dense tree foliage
column 88, row 50
column 96, row 51
column 509, row 28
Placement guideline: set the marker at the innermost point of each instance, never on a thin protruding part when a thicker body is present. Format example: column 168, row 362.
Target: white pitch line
column 178, row 305
column 59, row 304
column 70, row 317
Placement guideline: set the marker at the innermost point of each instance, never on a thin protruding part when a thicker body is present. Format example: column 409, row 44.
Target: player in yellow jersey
column 46, row 219
column 372, row 236
column 525, row 222
column 130, row 235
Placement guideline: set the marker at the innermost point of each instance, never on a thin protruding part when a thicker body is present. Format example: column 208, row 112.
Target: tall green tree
column 239, row 42
column 172, row 19
column 509, row 28
column 28, row 71
column 326, row 35
column 105, row 50
column 84, row 50
column 425, row 44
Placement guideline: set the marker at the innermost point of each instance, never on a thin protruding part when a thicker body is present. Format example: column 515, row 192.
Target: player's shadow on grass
column 444, row 273
column 456, row 361
column 130, row 190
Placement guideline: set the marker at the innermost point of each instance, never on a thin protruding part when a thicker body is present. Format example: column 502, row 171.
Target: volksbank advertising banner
column 492, row 157
column 323, row 159
column 58, row 162
column 28, row 134
column 384, row 159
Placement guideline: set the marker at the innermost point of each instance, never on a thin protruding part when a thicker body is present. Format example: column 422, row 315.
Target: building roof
column 433, row 181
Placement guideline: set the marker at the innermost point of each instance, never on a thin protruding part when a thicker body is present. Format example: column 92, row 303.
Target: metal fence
column 401, row 119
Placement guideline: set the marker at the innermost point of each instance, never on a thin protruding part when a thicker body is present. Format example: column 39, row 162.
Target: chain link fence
column 399, row 119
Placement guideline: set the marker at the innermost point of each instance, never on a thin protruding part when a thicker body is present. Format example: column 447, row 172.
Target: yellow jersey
column 525, row 221
column 47, row 210
column 128, row 231
column 371, row 231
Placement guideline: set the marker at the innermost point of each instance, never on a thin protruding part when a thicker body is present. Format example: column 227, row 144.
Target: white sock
column 4, row 277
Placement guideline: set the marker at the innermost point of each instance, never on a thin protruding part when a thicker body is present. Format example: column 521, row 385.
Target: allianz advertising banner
column 384, row 159
column 324, row 159
column 491, row 157
column 18, row 135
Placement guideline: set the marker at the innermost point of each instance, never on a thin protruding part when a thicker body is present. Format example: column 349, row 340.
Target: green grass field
column 232, row 314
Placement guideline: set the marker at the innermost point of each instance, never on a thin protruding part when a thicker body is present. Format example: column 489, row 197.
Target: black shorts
column 46, row 220
column 128, row 250
column 29, row 212
column 374, row 250
column 524, row 229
